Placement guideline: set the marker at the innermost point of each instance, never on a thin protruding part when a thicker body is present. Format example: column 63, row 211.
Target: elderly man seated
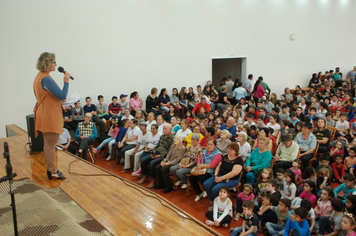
column 286, row 153
column 86, row 134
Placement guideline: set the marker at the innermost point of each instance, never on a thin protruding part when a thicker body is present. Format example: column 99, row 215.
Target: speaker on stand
column 36, row 144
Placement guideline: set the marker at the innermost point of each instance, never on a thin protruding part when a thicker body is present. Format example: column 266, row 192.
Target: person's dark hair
column 293, row 114
column 248, row 204
column 213, row 141
column 312, row 108
column 226, row 189
column 275, row 109
column 229, row 77
column 284, row 106
column 273, row 199
column 271, row 130
column 349, row 177
column 266, row 130
column 337, row 203
column 276, row 117
column 352, row 199
column 100, row 97
column 308, row 172
column 162, row 91
column 133, row 94
column 291, row 175
column 87, row 98
column 114, row 97
column 250, row 76
column 250, row 116
column 263, row 109
column 259, row 117
column 256, row 85
column 324, row 157
column 306, row 203
column 286, row 202
column 124, row 121
column 353, row 149
column 76, row 102
column 201, row 116
column 219, row 111
column 306, row 119
column 253, row 127
column 301, row 212
column 281, row 170
column 134, row 121
column 312, row 185
column 210, row 130
column 272, row 182
column 155, row 125
column 330, row 191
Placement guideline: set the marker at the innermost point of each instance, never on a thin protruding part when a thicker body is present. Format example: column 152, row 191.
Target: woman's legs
column 164, row 109
column 182, row 174
column 108, row 140
column 49, row 148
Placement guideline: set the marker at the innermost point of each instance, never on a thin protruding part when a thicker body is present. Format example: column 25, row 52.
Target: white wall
column 118, row 46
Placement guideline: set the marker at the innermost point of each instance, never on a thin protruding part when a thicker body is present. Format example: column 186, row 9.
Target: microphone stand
column 9, row 176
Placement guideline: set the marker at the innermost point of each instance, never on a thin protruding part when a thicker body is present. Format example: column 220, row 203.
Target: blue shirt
column 49, row 84
column 310, row 142
column 89, row 109
column 121, row 134
column 347, row 191
column 176, row 128
column 301, row 229
column 163, row 100
column 239, row 93
column 232, row 131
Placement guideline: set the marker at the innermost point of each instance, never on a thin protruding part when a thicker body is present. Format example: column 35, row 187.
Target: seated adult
column 227, row 172
column 174, row 156
column 209, row 134
column 175, row 125
column 135, row 103
column 85, row 134
column 91, row 108
column 184, row 131
column 152, row 104
column 210, row 158
column 180, row 170
column 230, row 127
column 155, row 157
column 150, row 120
column 199, row 105
column 170, row 113
column 223, row 100
column 322, row 135
column 175, row 102
column 259, row 159
column 163, row 100
column 307, row 141
column 64, row 142
column 196, row 130
column 138, row 150
column 127, row 115
column 264, row 132
column 286, row 153
column 68, row 119
column 128, row 142
column 223, row 142
column 244, row 146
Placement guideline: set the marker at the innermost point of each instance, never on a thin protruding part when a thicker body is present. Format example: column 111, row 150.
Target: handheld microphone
column 61, row 69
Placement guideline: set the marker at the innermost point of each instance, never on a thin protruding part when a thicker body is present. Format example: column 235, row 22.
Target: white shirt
column 63, row 137
column 274, row 127
column 150, row 124
column 152, row 140
column 183, row 134
column 245, row 150
column 130, row 117
column 340, row 125
column 142, row 139
column 249, row 124
column 136, row 131
column 160, row 129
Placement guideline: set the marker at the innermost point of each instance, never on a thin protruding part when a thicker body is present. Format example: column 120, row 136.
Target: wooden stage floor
column 121, row 209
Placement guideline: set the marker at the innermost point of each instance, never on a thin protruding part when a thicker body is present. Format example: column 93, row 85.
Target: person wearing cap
column 239, row 92
column 123, row 102
column 244, row 146
column 286, row 153
column 267, row 104
column 138, row 150
column 307, row 141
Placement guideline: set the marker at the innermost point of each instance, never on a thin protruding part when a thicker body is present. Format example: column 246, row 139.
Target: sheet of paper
column 71, row 100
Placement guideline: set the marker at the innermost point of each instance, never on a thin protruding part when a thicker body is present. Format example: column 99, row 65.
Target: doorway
column 222, row 67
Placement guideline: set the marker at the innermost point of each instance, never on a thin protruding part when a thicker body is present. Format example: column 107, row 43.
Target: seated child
column 323, row 207
column 322, row 179
column 280, row 180
column 268, row 215
column 325, row 224
column 271, row 188
column 283, row 214
column 289, row 188
column 347, row 187
column 349, row 225
column 296, row 166
column 350, row 205
column 338, row 169
column 329, row 120
column 253, row 132
column 337, row 150
column 260, row 124
column 245, row 195
column 297, row 223
column 222, row 213
column 250, row 221
column 350, row 161
column 249, row 120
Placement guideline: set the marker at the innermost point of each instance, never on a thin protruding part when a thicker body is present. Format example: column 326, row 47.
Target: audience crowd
column 279, row 154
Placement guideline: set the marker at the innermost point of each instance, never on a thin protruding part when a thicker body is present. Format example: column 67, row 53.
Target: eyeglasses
column 54, row 62
column 87, row 116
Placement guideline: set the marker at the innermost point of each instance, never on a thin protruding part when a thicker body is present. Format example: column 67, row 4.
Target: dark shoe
column 167, row 190
column 78, row 154
column 59, row 174
column 158, row 187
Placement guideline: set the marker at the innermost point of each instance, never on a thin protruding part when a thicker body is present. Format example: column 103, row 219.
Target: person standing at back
column 248, row 86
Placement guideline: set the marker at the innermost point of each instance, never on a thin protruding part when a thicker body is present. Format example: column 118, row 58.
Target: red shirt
column 199, row 105
column 338, row 171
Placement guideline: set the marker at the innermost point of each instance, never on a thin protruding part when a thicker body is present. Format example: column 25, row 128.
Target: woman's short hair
column 44, row 62
column 153, row 90
column 226, row 132
column 213, row 141
column 234, row 146
column 223, row 87
column 196, row 136
column 264, row 139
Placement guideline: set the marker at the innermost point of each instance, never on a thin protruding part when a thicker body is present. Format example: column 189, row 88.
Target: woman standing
column 48, row 109
column 258, row 91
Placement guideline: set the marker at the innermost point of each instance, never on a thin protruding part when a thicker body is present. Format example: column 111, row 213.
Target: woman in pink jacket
column 258, row 91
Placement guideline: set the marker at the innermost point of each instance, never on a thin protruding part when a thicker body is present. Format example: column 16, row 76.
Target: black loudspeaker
column 36, row 144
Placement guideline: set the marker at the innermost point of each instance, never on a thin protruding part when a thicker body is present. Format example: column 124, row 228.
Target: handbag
column 185, row 161
column 197, row 172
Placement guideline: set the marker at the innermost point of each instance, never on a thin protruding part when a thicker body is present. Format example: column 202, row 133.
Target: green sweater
column 261, row 160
